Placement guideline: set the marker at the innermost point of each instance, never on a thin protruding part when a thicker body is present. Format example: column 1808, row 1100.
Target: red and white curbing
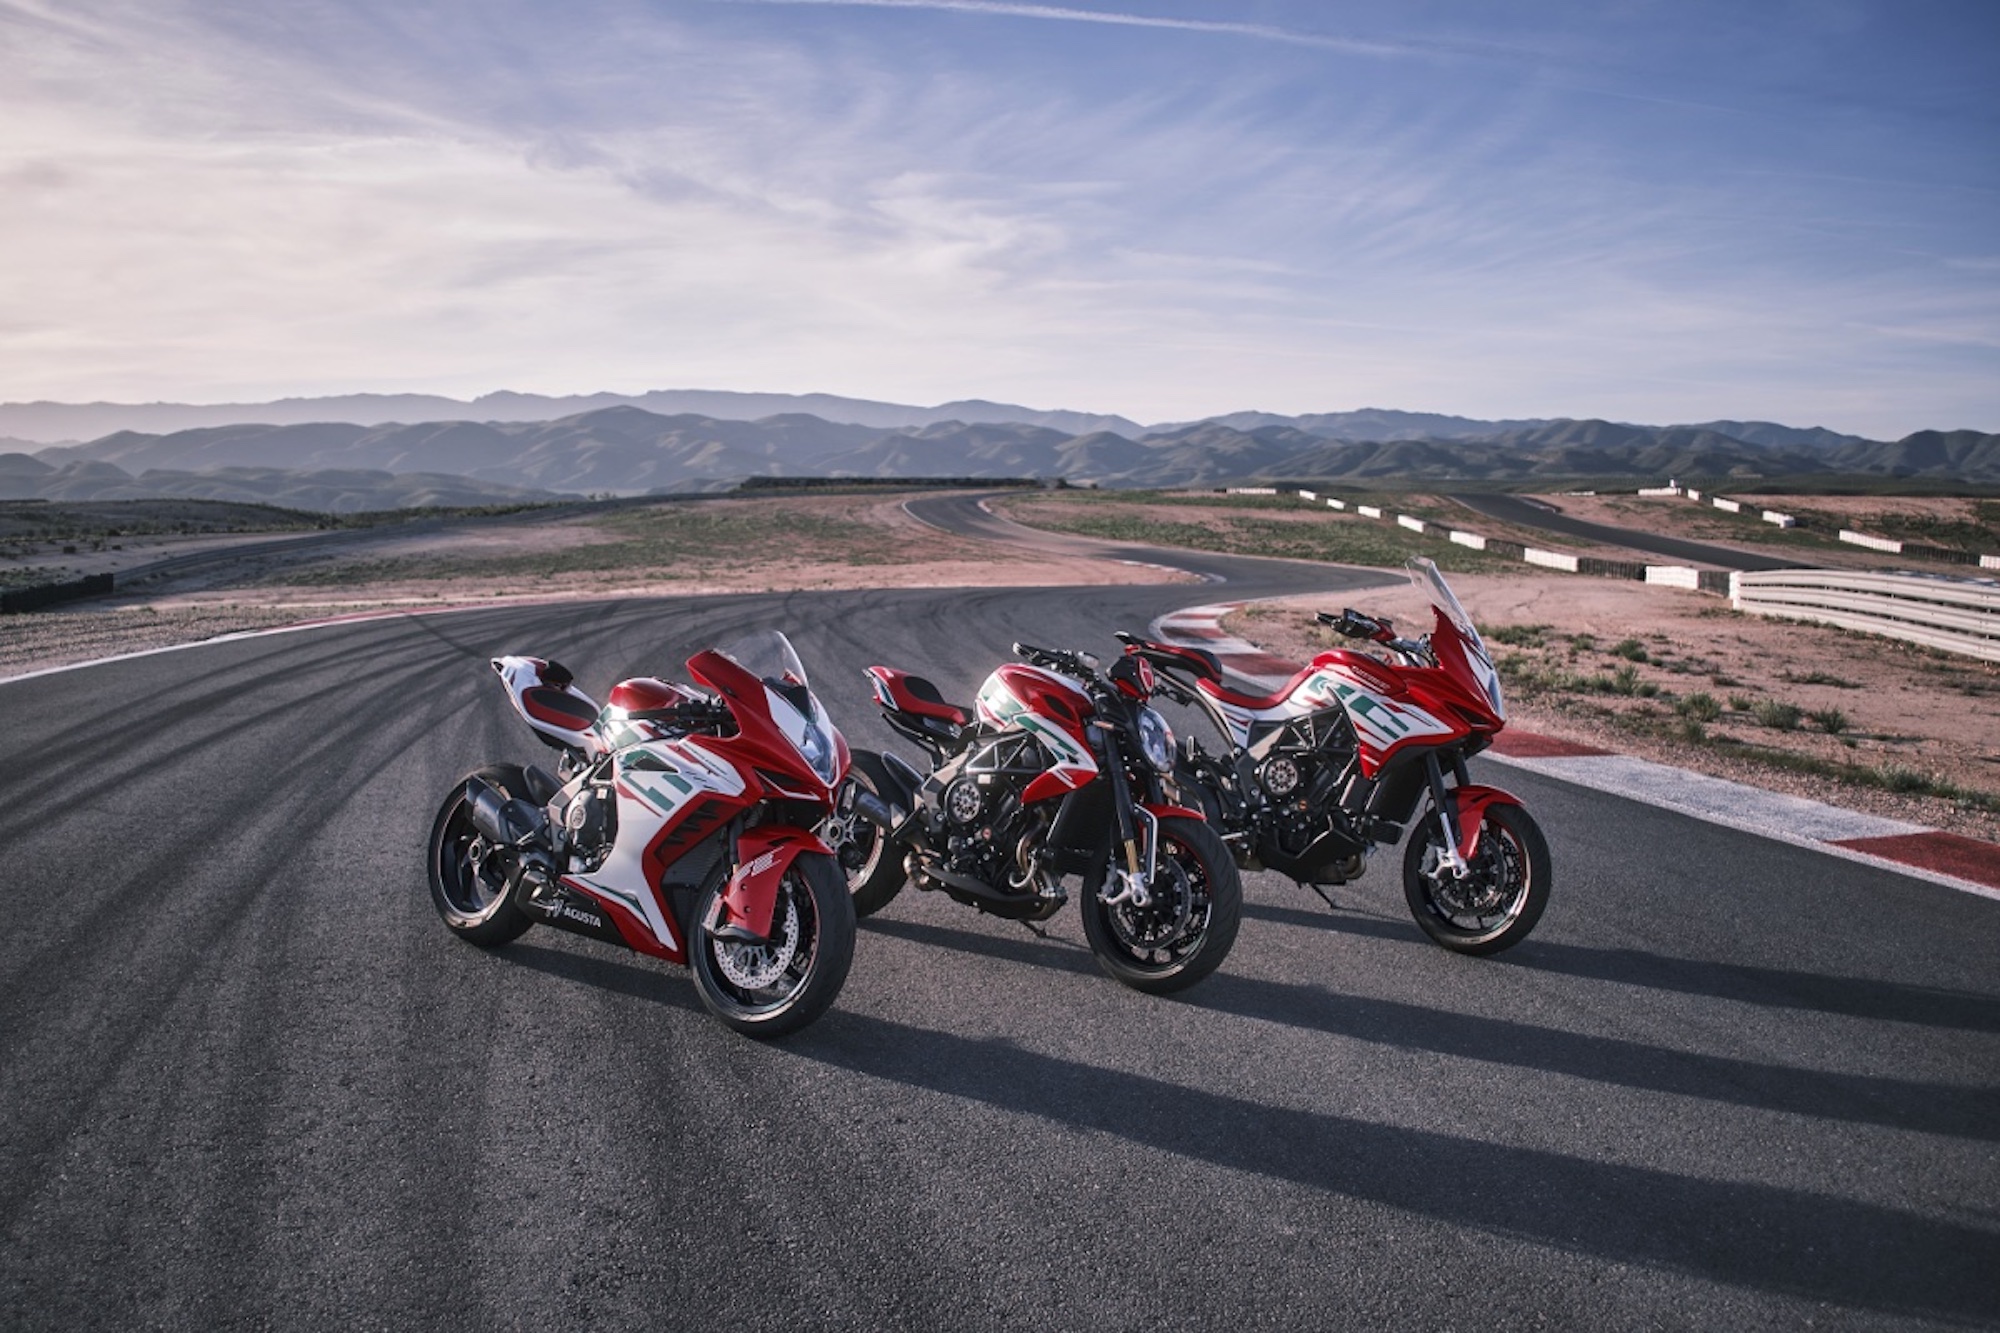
column 1966, row 864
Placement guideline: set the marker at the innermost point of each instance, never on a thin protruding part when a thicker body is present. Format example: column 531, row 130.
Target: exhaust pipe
column 513, row 822
column 875, row 810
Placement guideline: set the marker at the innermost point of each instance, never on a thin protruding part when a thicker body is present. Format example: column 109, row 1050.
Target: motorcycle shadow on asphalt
column 594, row 965
column 1905, row 1104
column 1755, row 1236
column 1049, row 951
column 1781, row 988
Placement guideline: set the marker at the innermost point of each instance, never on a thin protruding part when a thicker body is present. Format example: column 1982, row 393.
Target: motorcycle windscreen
column 1472, row 658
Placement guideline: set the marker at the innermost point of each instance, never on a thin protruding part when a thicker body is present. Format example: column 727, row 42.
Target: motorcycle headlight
column 817, row 747
column 1156, row 740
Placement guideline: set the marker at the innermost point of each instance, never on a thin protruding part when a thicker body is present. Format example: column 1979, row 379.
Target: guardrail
column 1938, row 611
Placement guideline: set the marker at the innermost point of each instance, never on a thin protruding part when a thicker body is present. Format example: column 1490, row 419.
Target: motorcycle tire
column 1499, row 903
column 470, row 892
column 872, row 864
column 769, row 990
column 1132, row 945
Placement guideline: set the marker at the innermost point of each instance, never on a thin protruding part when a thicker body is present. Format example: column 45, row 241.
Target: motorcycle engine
column 589, row 824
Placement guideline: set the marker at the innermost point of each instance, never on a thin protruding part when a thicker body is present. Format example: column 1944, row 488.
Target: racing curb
column 1969, row 865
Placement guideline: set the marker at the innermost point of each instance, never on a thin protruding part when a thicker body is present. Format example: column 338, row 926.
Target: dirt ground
column 1920, row 718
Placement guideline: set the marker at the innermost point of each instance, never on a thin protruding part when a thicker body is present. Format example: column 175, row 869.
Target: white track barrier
column 1956, row 615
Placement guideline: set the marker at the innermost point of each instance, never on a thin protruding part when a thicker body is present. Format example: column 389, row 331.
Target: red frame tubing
column 763, row 855
column 1471, row 802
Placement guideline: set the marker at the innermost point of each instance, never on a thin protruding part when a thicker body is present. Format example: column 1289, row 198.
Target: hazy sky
column 1657, row 212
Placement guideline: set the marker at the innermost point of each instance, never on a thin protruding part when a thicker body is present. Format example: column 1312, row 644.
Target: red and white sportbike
column 678, row 823
column 1342, row 755
column 1057, row 770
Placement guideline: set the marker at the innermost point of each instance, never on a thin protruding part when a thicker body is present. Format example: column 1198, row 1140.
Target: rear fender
column 1470, row 804
column 763, row 855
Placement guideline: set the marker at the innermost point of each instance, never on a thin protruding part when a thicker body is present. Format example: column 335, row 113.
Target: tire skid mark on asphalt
column 1965, row 864
column 133, row 909
column 92, row 745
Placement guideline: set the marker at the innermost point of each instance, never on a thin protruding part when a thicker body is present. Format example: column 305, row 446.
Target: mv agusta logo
column 559, row 908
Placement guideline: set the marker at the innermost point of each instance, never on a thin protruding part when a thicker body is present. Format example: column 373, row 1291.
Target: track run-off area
column 248, row 1079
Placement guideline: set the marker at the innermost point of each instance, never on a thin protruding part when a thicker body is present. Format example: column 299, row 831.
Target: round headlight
column 1156, row 740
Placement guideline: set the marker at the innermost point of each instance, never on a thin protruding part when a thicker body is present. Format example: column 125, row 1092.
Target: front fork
column 1138, row 833
column 1447, row 815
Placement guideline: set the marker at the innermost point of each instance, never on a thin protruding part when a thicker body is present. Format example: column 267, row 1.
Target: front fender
column 763, row 855
column 1172, row 812
column 1470, row 804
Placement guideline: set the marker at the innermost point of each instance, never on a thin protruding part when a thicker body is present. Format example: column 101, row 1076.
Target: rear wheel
column 779, row 986
column 1498, row 903
column 872, row 865
column 472, row 879
column 1185, row 930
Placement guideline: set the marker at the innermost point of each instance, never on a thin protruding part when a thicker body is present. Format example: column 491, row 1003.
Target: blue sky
column 1654, row 212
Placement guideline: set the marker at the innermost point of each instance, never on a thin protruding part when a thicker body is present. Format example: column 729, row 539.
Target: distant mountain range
column 625, row 448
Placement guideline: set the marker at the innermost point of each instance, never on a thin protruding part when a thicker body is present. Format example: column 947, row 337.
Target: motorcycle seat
column 913, row 694
column 1257, row 702
column 558, row 708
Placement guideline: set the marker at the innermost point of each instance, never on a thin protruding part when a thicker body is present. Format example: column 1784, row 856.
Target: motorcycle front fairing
column 797, row 758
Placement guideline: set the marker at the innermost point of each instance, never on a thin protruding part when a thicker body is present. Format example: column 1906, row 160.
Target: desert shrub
column 1699, row 707
column 1741, row 703
column 1583, row 642
column 1897, row 778
column 1775, row 715
column 1518, row 636
column 1818, row 678
column 1829, row 720
column 1693, row 730
column 1629, row 649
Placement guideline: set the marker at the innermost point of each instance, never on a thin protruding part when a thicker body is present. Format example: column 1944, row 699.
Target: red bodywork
column 1449, row 692
column 761, row 752
column 763, row 855
column 1471, row 802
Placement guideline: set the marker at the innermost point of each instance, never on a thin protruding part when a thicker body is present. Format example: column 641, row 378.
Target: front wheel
column 473, row 881
column 784, row 983
column 1185, row 930
column 1498, row 903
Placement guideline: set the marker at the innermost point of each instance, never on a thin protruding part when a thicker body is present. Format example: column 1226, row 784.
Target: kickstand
column 1035, row 930
column 1324, row 896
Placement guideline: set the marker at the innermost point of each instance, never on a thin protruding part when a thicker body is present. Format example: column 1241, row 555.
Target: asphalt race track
column 1514, row 509
column 247, row 1078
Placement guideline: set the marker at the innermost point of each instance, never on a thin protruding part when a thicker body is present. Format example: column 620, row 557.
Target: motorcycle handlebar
column 1062, row 659
column 1355, row 625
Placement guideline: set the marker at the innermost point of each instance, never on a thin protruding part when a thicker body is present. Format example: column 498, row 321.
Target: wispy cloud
column 1067, row 14
column 302, row 197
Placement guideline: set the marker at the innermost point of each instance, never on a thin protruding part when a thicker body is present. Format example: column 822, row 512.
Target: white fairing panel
column 655, row 782
column 1379, row 721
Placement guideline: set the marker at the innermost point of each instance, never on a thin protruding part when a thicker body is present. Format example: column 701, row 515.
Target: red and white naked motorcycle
column 1057, row 770
column 1339, row 757
column 678, row 824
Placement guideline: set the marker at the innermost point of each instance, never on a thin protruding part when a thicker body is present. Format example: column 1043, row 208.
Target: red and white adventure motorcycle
column 1340, row 757
column 678, row 824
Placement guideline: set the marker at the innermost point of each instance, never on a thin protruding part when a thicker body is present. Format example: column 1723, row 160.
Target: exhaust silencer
column 511, row 821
